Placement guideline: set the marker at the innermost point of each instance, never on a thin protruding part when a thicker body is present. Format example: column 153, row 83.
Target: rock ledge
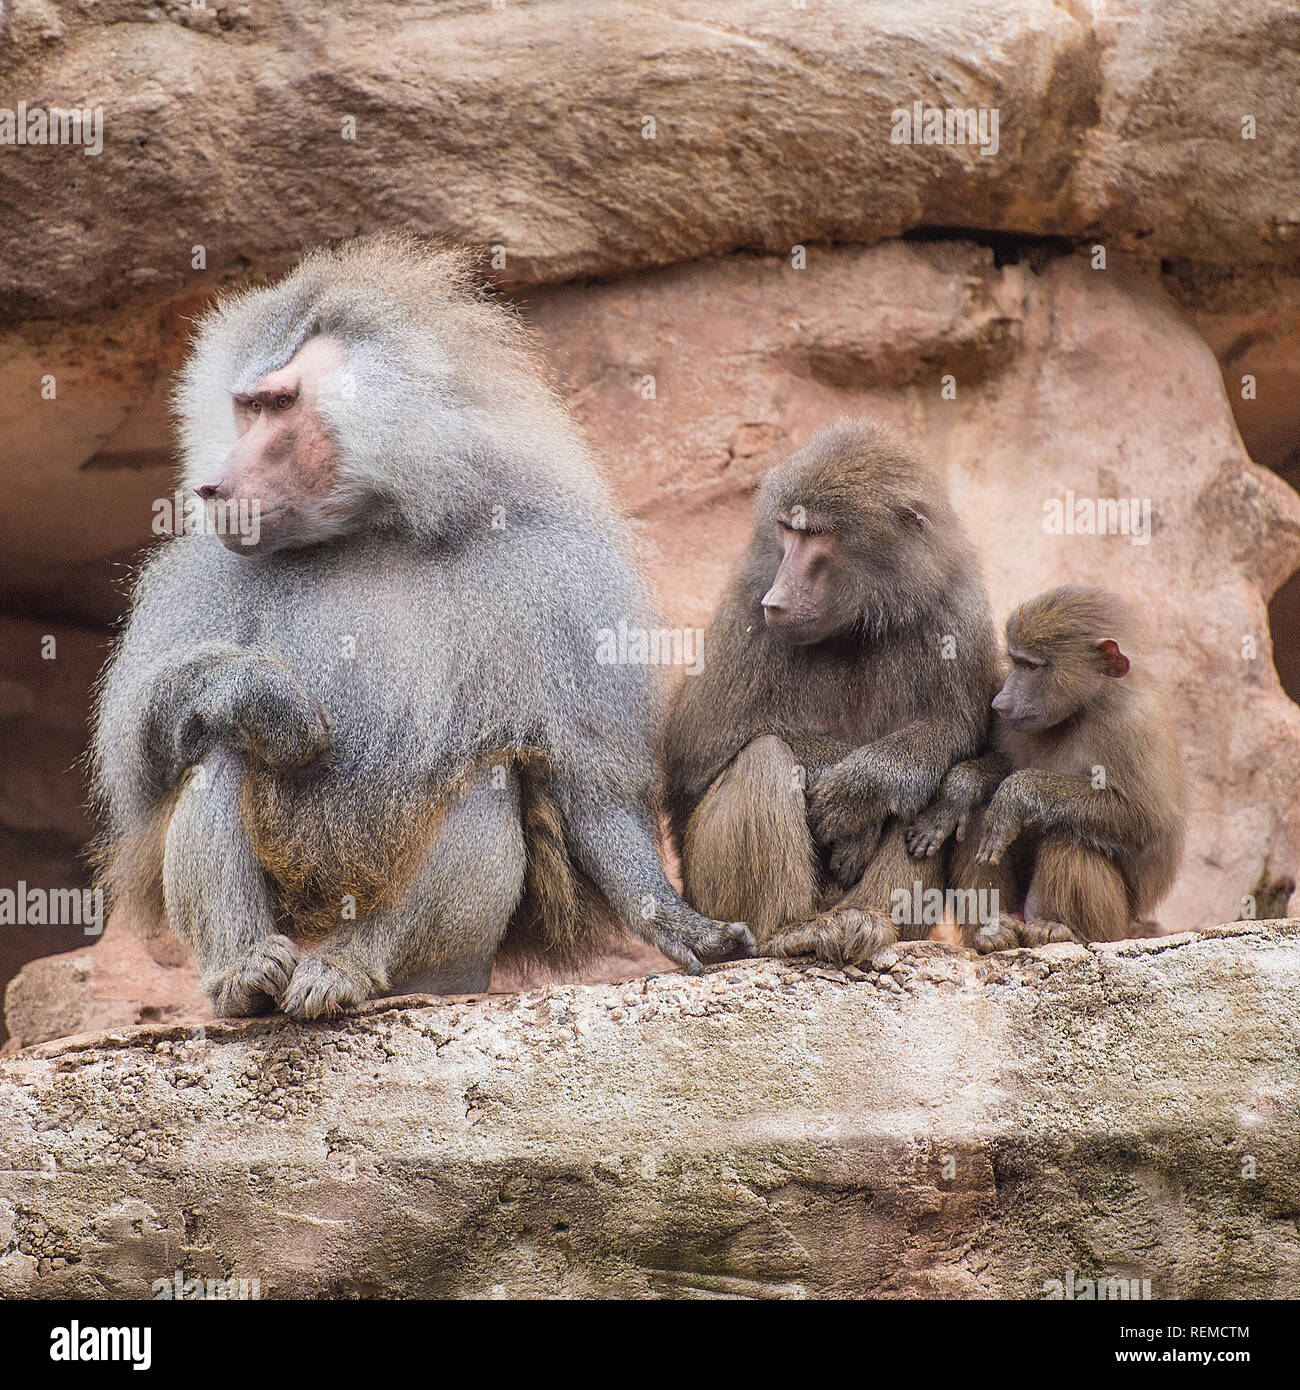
column 954, row 1127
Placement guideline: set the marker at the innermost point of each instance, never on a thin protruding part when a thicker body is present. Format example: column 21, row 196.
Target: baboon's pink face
column 806, row 601
column 282, row 474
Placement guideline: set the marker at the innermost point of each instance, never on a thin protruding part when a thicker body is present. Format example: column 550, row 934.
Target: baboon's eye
column 255, row 407
column 283, row 401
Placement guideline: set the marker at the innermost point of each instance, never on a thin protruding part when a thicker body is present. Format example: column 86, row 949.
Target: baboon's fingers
column 741, row 939
column 855, row 937
column 255, row 983
column 851, row 855
column 794, row 941
column 847, row 937
column 320, row 989
column 923, row 843
column 680, row 953
column 918, row 838
column 1001, row 934
column 1040, row 933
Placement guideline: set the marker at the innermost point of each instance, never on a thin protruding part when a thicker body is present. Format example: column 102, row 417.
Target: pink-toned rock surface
column 522, row 129
column 525, row 127
column 46, row 672
column 114, row 984
column 1067, row 379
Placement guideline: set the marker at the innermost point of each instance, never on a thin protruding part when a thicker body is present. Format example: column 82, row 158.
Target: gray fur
column 470, row 638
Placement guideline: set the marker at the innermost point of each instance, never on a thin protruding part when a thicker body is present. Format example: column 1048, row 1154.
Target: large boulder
column 522, row 129
column 526, row 127
column 954, row 1127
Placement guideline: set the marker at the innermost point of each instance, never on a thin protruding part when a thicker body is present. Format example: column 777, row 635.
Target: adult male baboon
column 374, row 716
column 1078, row 811
column 852, row 654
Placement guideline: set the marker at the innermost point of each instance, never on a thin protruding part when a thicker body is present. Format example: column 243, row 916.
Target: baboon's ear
column 1114, row 662
column 918, row 519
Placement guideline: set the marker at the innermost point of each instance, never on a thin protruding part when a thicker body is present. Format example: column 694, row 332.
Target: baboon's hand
column 846, row 800
column 1003, row 821
column 1040, row 933
column 689, row 940
column 929, row 831
column 281, row 724
column 847, row 809
column 845, row 936
column 850, row 857
column 321, row 987
column 1001, row 934
column 842, row 802
column 255, row 980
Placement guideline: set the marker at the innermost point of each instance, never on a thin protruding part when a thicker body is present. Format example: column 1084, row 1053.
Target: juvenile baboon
column 1084, row 828
column 852, row 655
column 376, row 717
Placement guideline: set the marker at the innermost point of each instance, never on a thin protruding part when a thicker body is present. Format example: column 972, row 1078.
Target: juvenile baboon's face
column 1051, row 684
column 283, row 471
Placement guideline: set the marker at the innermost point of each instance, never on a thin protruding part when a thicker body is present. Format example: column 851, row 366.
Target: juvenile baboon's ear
column 1114, row 662
column 918, row 519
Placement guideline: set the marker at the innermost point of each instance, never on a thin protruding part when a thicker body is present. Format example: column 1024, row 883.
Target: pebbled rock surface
column 952, row 1127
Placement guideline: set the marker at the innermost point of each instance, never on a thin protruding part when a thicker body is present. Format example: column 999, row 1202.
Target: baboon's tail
column 129, row 868
column 563, row 920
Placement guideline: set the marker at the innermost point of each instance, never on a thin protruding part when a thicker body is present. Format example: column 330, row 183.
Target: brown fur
column 1091, row 859
column 753, row 812
column 313, row 871
column 867, row 713
column 562, row 921
column 129, row 869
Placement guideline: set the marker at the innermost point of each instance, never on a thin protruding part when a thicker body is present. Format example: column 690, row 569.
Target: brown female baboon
column 370, row 711
column 1077, row 814
column 849, row 665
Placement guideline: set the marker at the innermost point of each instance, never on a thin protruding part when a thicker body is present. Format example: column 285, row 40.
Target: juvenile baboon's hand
column 280, row 722
column 689, row 941
column 1003, row 821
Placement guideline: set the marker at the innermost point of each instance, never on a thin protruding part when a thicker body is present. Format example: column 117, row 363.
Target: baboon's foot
column 847, row 936
column 321, row 988
column 1002, row 933
column 692, row 939
column 1039, row 933
column 256, row 981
